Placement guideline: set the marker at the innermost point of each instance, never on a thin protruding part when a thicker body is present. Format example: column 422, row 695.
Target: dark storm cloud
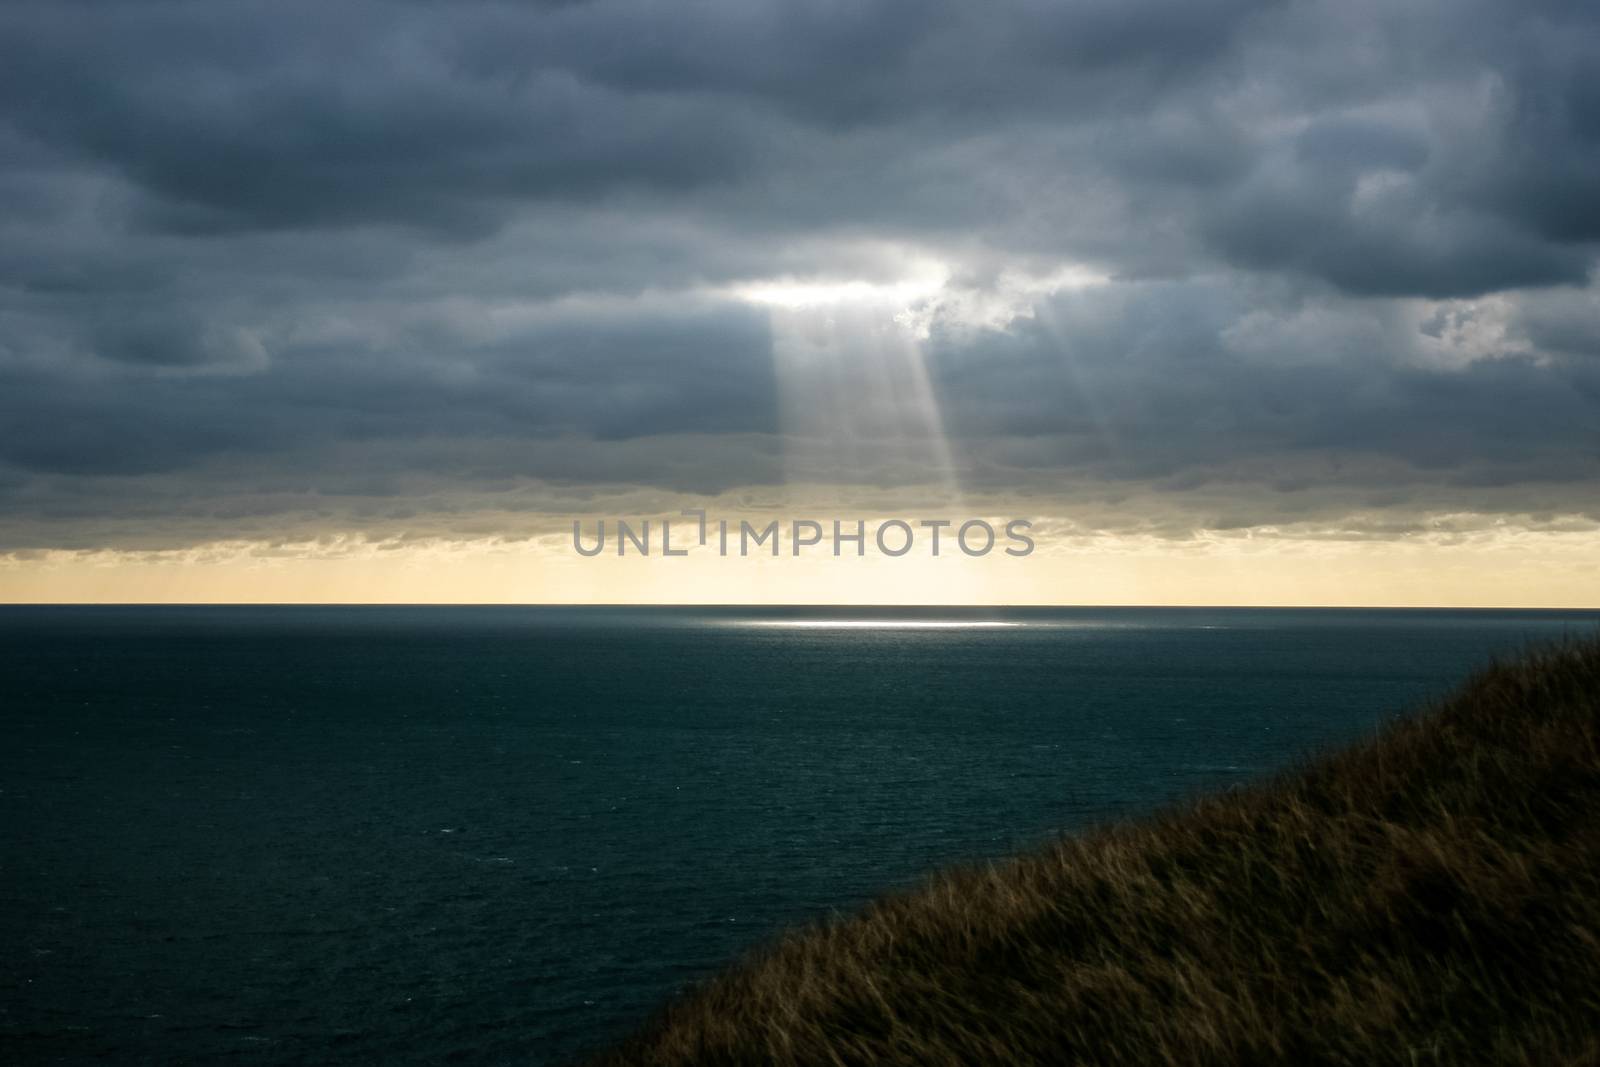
column 231, row 115
column 620, row 374
column 371, row 249
column 1122, row 384
column 1563, row 321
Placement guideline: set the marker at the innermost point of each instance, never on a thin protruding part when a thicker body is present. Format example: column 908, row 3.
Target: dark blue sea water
column 402, row 835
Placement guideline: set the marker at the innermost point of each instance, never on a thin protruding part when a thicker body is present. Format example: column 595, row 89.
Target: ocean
column 505, row 834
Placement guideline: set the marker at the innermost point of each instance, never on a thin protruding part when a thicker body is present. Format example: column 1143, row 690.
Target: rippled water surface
column 404, row 834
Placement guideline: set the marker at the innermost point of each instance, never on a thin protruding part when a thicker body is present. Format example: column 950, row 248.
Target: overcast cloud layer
column 269, row 270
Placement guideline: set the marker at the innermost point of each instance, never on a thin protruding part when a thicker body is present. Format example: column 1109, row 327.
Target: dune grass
column 1430, row 896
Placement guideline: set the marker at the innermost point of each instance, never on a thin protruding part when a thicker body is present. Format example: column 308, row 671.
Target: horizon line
column 794, row 604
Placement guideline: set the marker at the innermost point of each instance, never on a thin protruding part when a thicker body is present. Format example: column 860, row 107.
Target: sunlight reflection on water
column 880, row 624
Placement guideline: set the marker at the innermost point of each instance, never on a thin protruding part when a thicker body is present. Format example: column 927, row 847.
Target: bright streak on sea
column 880, row 624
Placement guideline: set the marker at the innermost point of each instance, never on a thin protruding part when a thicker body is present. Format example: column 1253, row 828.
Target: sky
column 1236, row 302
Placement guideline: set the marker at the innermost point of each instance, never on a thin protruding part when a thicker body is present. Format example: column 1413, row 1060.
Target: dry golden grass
column 1432, row 896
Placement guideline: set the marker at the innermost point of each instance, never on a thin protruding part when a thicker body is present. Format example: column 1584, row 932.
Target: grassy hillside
column 1432, row 896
